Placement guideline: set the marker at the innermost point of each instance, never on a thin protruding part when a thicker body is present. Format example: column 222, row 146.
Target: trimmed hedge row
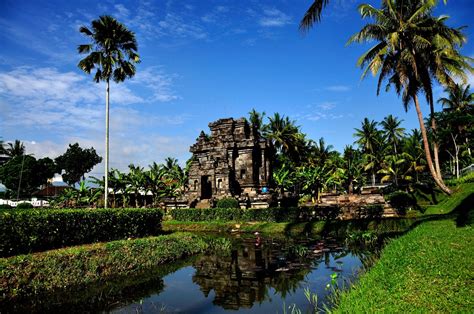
column 276, row 214
column 24, row 231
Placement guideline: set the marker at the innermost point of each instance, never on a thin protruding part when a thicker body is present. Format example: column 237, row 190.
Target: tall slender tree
column 413, row 50
column 113, row 52
column 14, row 149
column 392, row 131
column 369, row 139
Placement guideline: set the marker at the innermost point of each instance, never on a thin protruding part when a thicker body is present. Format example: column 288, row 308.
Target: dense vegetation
column 28, row 230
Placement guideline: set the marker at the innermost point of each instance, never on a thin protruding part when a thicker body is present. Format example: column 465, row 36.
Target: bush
column 401, row 201
column 5, row 206
column 24, row 206
column 228, row 203
column 276, row 214
column 37, row 230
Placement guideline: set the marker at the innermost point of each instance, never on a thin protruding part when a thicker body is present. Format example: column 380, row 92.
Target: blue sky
column 201, row 61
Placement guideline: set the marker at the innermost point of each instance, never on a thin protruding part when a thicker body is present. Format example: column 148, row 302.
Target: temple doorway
column 206, row 187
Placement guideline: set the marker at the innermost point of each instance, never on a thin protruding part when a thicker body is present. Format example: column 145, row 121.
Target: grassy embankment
column 77, row 267
column 429, row 269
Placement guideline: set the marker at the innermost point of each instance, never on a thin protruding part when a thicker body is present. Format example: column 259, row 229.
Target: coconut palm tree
column 460, row 101
column 113, row 52
column 14, row 149
column 413, row 50
column 256, row 119
column 353, row 168
column 460, row 98
column 413, row 150
column 369, row 138
column 392, row 132
column 313, row 13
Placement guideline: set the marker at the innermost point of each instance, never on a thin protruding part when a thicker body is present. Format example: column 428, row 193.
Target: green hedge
column 276, row 214
column 228, row 202
column 24, row 231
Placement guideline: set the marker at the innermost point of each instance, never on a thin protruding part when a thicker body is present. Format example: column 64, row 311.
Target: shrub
column 24, row 206
column 5, row 206
column 275, row 214
column 228, row 202
column 37, row 230
column 401, row 201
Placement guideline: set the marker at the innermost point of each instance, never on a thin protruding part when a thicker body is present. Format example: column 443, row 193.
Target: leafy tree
column 413, row 49
column 136, row 182
column 283, row 178
column 395, row 168
column 113, row 52
column 76, row 162
column 26, row 174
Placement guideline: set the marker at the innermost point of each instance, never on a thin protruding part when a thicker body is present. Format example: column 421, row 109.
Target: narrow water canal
column 254, row 274
column 258, row 275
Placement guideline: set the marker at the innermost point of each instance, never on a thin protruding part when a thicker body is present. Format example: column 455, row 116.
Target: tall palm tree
column 460, row 100
column 369, row 139
column 256, row 119
column 392, row 131
column 413, row 49
column 313, row 13
column 113, row 52
column 14, row 149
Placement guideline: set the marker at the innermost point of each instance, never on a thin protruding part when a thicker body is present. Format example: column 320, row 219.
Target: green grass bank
column 430, row 269
column 74, row 268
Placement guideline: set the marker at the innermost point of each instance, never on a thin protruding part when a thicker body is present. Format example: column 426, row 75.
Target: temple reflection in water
column 245, row 276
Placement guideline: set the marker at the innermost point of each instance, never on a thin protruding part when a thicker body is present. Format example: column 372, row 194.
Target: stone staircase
column 205, row 203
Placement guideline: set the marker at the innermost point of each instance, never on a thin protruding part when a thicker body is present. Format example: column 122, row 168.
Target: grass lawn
column 429, row 269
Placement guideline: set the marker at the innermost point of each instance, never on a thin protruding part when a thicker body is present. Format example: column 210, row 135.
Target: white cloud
column 174, row 25
column 122, row 11
column 273, row 17
column 47, row 101
column 326, row 106
column 338, row 88
column 158, row 82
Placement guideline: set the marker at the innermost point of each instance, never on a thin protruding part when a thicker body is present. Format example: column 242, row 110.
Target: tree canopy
column 76, row 162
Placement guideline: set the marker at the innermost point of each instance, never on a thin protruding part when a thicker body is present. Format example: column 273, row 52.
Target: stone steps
column 203, row 204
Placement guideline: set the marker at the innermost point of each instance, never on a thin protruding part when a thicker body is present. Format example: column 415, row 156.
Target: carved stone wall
column 232, row 161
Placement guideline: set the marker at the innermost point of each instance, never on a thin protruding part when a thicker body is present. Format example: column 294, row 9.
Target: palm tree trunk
column 107, row 98
column 438, row 180
column 435, row 141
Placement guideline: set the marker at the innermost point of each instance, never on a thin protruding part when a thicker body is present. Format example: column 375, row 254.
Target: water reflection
column 257, row 275
column 245, row 276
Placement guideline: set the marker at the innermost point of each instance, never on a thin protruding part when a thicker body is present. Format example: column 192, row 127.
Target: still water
column 258, row 275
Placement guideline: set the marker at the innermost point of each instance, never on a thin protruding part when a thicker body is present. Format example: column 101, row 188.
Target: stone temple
column 234, row 161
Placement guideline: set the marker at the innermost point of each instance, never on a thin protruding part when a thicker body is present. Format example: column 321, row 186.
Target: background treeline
column 383, row 152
